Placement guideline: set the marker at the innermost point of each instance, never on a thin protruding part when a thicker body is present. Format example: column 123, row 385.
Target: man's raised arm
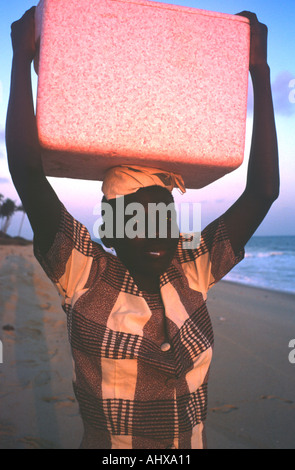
column 23, row 150
column 262, row 188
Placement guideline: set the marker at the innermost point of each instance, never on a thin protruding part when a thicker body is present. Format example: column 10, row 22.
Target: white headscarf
column 126, row 179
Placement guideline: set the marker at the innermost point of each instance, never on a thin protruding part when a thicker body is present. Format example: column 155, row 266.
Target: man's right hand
column 23, row 35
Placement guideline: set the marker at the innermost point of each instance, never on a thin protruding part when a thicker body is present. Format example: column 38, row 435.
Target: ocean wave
column 270, row 264
column 261, row 283
column 264, row 254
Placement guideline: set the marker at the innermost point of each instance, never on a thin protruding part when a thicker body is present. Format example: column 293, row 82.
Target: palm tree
column 7, row 209
column 21, row 209
column 1, row 199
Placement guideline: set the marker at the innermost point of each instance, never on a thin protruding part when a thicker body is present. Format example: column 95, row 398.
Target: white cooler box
column 140, row 82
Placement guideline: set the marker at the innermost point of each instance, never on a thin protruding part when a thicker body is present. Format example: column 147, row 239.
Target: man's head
column 142, row 228
column 140, row 217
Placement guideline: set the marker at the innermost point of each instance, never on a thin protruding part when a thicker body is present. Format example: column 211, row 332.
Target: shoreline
column 263, row 288
column 251, row 386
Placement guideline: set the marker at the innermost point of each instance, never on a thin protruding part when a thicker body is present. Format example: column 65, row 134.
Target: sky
column 81, row 197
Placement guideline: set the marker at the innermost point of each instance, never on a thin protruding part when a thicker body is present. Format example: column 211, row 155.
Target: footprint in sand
column 224, row 409
column 37, row 443
column 8, row 327
column 273, row 397
column 45, row 306
column 6, row 430
column 27, row 332
column 60, row 402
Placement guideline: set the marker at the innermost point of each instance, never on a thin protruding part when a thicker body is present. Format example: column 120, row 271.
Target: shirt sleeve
column 205, row 265
column 69, row 260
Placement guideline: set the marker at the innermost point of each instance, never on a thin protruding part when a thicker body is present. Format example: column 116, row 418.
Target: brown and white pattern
column 131, row 392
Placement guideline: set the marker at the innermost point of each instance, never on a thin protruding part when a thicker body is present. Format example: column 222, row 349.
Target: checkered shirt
column 132, row 392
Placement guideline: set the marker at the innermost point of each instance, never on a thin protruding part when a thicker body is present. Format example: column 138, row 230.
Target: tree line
column 8, row 208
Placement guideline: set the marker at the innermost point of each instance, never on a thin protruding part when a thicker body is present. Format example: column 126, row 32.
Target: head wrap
column 124, row 179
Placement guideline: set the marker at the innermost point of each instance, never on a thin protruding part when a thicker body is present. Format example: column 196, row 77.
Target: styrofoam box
column 140, row 82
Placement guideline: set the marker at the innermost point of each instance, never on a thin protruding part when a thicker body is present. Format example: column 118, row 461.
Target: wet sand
column 252, row 383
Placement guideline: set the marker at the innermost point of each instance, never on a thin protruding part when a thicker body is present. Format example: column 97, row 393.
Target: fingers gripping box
column 140, row 82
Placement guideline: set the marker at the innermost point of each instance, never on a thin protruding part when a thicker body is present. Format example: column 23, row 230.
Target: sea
column 269, row 263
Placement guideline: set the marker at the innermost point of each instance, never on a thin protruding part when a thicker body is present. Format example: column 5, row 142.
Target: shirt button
column 165, row 347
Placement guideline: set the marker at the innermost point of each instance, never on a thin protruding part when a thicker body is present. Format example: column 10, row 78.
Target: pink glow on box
column 140, row 82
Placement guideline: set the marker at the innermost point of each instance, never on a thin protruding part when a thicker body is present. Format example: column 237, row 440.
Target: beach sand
column 251, row 387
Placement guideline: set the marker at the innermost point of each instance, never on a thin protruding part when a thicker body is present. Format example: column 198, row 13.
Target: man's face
column 151, row 251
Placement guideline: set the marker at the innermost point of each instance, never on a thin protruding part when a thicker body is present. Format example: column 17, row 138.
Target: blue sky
column 217, row 197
